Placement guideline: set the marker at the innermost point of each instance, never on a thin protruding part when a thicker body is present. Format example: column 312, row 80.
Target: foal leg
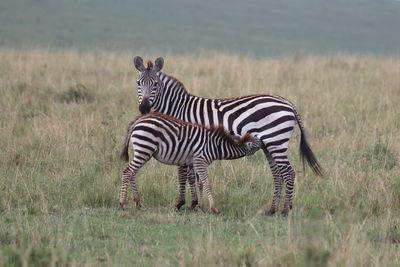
column 186, row 173
column 129, row 175
column 200, row 168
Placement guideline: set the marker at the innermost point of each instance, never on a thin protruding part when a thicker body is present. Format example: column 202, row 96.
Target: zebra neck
column 227, row 150
column 175, row 101
column 171, row 102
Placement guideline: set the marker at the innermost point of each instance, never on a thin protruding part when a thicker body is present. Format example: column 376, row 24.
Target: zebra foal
column 175, row 142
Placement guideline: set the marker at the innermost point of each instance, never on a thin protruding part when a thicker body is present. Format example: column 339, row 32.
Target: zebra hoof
column 179, row 204
column 193, row 205
column 285, row 213
column 270, row 212
column 216, row 211
column 122, row 206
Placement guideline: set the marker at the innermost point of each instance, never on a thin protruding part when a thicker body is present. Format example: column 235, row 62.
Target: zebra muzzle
column 144, row 106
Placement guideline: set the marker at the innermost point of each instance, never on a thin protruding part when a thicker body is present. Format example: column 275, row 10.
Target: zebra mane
column 222, row 132
column 149, row 65
column 177, row 81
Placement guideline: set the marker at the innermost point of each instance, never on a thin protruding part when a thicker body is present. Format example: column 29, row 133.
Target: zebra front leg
column 289, row 179
column 193, row 191
column 201, row 198
column 182, row 176
column 200, row 168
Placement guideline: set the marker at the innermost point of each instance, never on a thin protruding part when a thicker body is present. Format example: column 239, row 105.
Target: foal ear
column 138, row 62
column 256, row 142
column 159, row 63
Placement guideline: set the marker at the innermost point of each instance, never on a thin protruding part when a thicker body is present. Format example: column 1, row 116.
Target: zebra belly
column 176, row 158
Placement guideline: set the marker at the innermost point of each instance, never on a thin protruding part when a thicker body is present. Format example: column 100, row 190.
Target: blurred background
column 253, row 27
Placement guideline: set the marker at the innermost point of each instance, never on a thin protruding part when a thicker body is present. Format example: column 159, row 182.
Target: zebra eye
column 249, row 145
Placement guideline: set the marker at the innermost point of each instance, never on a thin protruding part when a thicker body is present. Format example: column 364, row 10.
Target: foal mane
column 222, row 132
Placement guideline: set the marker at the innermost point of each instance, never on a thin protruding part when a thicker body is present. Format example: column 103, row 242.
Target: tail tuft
column 124, row 154
column 305, row 149
column 307, row 154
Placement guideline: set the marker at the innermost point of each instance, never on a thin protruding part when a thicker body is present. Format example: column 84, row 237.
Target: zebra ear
column 138, row 62
column 159, row 63
column 256, row 142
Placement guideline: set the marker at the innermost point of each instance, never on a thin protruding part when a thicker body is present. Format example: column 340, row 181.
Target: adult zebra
column 269, row 117
column 177, row 142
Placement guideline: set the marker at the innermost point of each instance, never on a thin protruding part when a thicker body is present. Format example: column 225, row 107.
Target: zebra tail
column 125, row 150
column 305, row 150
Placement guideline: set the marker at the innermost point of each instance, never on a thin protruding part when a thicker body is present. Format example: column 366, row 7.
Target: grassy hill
column 255, row 27
column 63, row 120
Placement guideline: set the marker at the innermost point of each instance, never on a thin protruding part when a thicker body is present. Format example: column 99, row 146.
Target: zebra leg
column 277, row 183
column 288, row 175
column 200, row 186
column 200, row 168
column 193, row 191
column 182, row 174
column 129, row 175
column 126, row 176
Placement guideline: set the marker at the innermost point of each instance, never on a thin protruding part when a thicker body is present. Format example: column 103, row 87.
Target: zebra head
column 252, row 145
column 148, row 82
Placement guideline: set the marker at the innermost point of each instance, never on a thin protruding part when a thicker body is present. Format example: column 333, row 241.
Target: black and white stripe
column 192, row 147
column 269, row 117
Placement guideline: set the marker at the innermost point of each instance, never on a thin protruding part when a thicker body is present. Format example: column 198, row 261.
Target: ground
column 63, row 121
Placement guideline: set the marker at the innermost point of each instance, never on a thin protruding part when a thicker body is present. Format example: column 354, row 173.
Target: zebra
column 175, row 142
column 270, row 117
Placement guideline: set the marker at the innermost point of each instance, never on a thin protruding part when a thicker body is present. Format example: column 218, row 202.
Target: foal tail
column 305, row 149
column 124, row 154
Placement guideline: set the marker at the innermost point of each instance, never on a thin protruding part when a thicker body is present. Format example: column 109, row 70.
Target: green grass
column 252, row 27
column 63, row 120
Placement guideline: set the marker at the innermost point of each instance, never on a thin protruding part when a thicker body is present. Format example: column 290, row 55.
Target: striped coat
column 175, row 142
column 271, row 118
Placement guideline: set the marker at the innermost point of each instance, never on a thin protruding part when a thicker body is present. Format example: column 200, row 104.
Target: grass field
column 63, row 121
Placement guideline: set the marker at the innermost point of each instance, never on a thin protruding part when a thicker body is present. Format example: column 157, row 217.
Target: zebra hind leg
column 278, row 181
column 289, row 178
column 128, row 175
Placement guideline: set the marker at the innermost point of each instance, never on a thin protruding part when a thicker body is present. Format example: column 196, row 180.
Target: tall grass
column 63, row 119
